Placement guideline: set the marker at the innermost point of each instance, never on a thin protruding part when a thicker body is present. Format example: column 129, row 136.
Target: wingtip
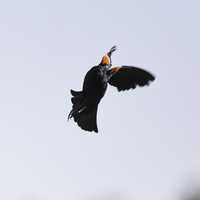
column 153, row 77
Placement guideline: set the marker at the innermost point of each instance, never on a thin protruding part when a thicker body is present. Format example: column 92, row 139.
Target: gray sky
column 149, row 141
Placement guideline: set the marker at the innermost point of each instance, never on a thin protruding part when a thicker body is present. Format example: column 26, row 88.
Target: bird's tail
column 84, row 115
column 77, row 99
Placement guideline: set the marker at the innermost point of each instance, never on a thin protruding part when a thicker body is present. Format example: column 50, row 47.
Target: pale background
column 149, row 141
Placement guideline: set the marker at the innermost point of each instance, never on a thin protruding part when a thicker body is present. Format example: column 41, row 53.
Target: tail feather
column 77, row 99
column 75, row 93
column 87, row 118
column 84, row 115
column 76, row 102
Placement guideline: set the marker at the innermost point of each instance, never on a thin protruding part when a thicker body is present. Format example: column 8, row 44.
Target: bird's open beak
column 114, row 48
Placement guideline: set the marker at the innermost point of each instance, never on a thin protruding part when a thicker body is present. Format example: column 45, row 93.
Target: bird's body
column 85, row 102
column 95, row 83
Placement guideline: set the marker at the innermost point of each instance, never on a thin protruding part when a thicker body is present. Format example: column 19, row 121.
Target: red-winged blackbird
column 85, row 102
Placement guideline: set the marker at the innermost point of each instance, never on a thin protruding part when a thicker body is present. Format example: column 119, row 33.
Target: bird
column 85, row 102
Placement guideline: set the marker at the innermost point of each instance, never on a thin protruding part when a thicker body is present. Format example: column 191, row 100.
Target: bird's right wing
column 128, row 77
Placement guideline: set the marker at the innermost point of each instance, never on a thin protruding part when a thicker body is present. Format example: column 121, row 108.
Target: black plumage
column 128, row 77
column 85, row 102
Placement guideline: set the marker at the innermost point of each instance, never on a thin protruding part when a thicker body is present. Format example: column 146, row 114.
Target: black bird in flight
column 85, row 102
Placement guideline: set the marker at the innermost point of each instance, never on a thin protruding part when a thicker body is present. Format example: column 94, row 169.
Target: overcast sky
column 149, row 140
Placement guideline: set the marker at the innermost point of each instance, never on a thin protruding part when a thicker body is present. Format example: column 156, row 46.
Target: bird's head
column 106, row 59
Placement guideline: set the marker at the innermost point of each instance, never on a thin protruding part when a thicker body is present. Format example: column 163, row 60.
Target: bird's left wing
column 127, row 77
